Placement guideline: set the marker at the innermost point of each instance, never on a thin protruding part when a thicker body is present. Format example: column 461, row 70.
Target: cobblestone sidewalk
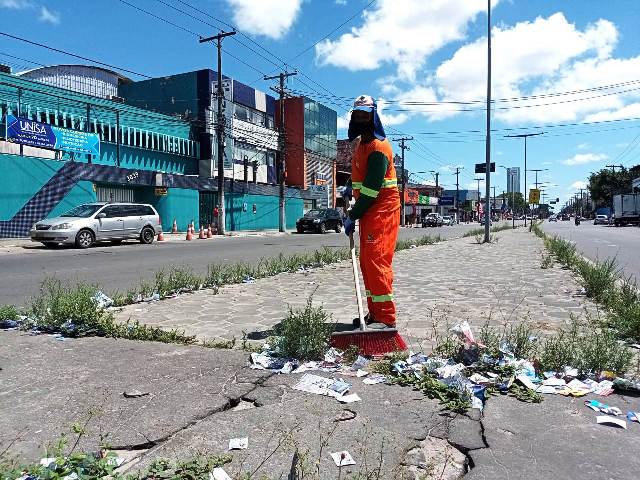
column 435, row 286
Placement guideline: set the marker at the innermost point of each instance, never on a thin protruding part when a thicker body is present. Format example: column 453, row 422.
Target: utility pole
column 220, row 124
column 613, row 169
column 457, row 194
column 478, row 204
column 403, row 147
column 281, row 156
column 582, row 202
column 487, row 210
column 437, row 175
column 525, row 136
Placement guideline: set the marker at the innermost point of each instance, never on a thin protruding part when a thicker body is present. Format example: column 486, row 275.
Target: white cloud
column 49, row 16
column 400, row 32
column 583, row 158
column 578, row 185
column 343, row 122
column 270, row 18
column 550, row 53
column 583, row 146
column 15, row 4
column 341, row 2
column 628, row 111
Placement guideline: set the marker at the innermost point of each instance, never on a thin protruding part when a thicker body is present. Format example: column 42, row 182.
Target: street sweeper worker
column 377, row 207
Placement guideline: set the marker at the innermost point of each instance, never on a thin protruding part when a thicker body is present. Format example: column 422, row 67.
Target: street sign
column 161, row 191
column 482, row 167
column 534, row 196
column 447, row 201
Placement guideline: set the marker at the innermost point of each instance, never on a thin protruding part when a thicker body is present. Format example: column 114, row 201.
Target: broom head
column 373, row 343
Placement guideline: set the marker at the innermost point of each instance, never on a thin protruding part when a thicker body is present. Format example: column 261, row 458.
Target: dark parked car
column 320, row 220
column 432, row 220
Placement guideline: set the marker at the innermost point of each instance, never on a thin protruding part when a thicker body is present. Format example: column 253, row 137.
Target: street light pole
column 487, row 213
column 525, row 136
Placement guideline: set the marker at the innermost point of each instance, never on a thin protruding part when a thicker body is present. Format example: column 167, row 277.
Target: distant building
column 311, row 148
column 86, row 79
column 513, row 179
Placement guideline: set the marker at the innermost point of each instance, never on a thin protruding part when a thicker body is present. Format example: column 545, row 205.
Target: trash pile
column 472, row 375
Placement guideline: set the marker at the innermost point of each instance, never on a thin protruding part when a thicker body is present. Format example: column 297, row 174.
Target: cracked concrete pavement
column 200, row 398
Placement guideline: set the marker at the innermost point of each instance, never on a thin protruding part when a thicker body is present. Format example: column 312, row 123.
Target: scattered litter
column 239, row 443
column 101, row 300
column 603, row 408
column 313, row 384
column 134, row 393
column 8, row 324
column 463, row 331
column 339, row 387
column 46, row 462
column 249, row 279
column 554, row 382
column 218, row 473
column 374, row 379
column 361, row 373
column 635, row 345
column 360, row 363
column 349, row 398
column 633, row 416
column 343, row 458
column 477, row 378
column 546, row 389
column 526, row 381
column 602, row 419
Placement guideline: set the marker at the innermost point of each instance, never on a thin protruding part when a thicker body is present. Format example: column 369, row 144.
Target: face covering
column 356, row 129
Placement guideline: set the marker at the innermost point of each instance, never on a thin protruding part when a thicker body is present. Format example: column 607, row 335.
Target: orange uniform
column 378, row 230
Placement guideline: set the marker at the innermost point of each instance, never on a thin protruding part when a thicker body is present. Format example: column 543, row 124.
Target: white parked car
column 95, row 222
column 448, row 220
column 601, row 220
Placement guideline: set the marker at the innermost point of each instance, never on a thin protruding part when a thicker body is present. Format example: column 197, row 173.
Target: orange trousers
column 378, row 235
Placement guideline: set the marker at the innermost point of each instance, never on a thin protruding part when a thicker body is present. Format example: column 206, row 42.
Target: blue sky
column 406, row 53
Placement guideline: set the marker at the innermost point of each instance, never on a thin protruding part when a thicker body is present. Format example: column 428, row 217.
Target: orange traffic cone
column 160, row 236
column 189, row 233
column 174, row 228
column 201, row 235
column 209, row 234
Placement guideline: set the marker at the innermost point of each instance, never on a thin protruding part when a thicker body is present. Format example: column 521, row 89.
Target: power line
column 64, row 52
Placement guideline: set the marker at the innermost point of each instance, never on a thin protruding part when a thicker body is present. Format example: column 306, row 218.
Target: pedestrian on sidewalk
column 377, row 207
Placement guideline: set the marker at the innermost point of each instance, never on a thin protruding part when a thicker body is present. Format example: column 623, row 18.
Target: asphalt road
column 603, row 241
column 121, row 267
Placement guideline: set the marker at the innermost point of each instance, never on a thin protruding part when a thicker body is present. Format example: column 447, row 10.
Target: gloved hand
column 347, row 193
column 349, row 226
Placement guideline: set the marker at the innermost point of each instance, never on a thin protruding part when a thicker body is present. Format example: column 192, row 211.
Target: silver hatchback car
column 95, row 222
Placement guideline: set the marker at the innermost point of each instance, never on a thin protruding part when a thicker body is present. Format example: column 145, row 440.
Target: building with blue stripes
column 162, row 140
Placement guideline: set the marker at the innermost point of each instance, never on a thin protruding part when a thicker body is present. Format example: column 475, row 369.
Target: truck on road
column 626, row 209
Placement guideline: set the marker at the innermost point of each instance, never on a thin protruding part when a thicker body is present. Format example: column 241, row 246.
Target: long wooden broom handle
column 356, row 280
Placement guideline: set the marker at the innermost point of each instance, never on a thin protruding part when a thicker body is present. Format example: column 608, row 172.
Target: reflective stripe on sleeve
column 369, row 192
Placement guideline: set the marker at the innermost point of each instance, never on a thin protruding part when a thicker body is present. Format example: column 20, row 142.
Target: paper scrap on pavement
column 554, row 382
column 526, row 381
column 360, row 363
column 219, row 474
column 633, row 416
column 238, row 443
column 343, row 458
column 477, row 378
column 353, row 397
column 603, row 419
column 546, row 389
column 322, row 386
column 374, row 379
column 361, row 373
